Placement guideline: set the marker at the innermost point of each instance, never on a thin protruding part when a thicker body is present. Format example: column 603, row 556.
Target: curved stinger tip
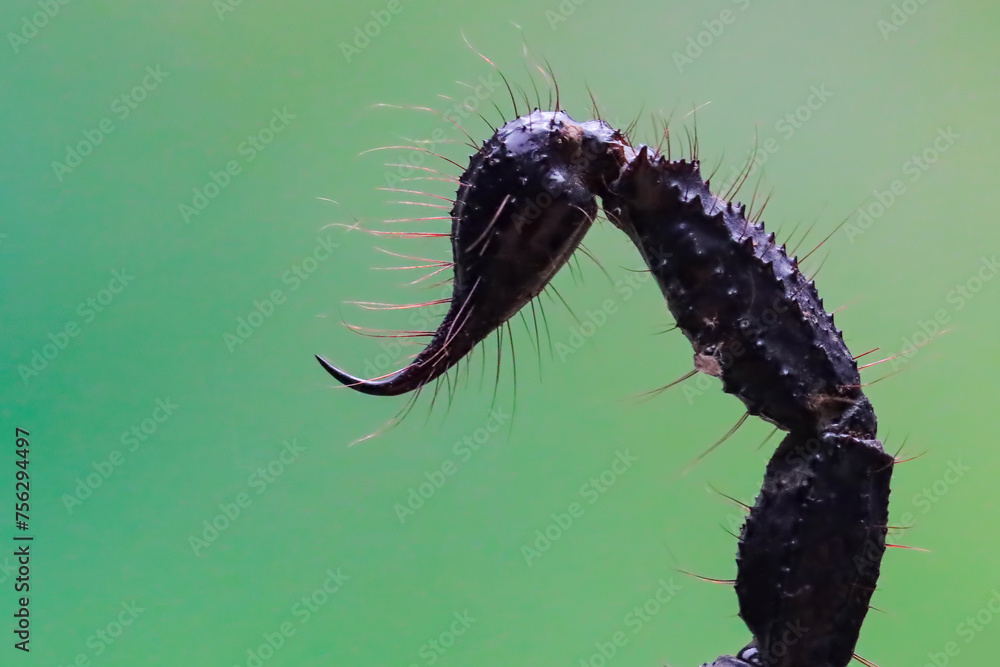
column 384, row 386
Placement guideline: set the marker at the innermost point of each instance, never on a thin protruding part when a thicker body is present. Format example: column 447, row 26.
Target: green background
column 162, row 337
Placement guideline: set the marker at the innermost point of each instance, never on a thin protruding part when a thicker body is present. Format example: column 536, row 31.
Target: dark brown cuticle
column 810, row 550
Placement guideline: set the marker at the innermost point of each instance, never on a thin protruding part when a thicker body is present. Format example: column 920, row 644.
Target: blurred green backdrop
column 169, row 270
